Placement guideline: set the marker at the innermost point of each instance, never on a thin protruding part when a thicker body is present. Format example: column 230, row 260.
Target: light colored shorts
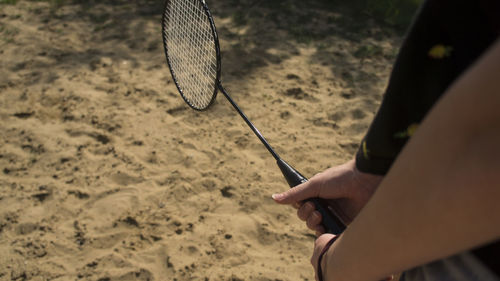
column 461, row 267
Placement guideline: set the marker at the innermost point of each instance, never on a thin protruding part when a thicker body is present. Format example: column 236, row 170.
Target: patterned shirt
column 446, row 37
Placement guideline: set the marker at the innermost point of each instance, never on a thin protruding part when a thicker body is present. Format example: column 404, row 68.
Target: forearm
column 441, row 195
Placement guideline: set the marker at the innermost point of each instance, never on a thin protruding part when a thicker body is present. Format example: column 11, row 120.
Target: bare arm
column 442, row 194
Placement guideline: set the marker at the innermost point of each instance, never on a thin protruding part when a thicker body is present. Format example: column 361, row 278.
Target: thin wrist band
column 325, row 249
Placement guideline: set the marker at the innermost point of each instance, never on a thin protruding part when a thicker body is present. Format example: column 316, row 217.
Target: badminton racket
column 193, row 55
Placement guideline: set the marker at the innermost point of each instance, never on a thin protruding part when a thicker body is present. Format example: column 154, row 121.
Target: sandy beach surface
column 106, row 174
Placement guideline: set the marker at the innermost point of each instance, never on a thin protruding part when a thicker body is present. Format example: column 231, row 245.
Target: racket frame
column 217, row 52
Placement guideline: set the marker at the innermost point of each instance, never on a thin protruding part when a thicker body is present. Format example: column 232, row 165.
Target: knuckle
column 305, row 211
column 310, row 225
column 313, row 221
column 300, row 213
column 310, row 206
column 317, row 217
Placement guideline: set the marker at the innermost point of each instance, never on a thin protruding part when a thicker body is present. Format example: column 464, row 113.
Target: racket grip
column 330, row 221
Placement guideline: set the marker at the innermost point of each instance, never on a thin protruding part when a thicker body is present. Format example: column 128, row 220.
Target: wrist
column 322, row 260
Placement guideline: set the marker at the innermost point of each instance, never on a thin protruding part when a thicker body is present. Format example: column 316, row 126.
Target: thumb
column 308, row 189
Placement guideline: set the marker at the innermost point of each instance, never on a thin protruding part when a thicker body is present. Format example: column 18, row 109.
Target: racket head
column 192, row 50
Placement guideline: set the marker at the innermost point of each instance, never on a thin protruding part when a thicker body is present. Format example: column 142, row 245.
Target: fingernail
column 277, row 196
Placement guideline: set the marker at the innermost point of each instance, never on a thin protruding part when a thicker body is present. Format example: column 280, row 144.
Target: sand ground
column 106, row 174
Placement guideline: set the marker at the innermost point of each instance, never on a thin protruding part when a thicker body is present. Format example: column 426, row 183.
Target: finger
column 313, row 220
column 306, row 210
column 302, row 191
column 320, row 230
column 297, row 205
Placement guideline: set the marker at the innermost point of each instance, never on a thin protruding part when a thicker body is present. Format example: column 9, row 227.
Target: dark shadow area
column 253, row 33
column 258, row 26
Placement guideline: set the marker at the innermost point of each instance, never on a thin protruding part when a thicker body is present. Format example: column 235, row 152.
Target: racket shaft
column 330, row 222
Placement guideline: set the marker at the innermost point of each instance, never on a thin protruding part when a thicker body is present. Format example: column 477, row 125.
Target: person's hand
column 319, row 246
column 350, row 188
column 323, row 244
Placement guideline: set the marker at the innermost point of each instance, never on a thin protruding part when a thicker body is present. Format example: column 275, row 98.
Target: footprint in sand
column 125, row 179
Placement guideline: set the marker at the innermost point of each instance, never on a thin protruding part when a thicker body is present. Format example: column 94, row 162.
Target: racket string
column 190, row 46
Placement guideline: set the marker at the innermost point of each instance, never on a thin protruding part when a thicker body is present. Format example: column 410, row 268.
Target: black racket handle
column 330, row 222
